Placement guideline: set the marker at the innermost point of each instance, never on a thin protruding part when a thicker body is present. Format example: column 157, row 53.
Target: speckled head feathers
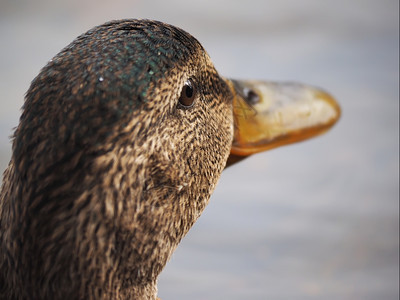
column 108, row 170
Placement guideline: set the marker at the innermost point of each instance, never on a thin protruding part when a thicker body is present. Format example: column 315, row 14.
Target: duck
column 122, row 138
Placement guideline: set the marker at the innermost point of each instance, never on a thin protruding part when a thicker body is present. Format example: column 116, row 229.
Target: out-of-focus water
column 314, row 220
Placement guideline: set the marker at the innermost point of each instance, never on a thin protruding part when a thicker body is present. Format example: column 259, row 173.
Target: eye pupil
column 188, row 94
column 188, row 91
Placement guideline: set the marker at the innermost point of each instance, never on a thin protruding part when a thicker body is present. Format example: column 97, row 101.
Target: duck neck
column 140, row 292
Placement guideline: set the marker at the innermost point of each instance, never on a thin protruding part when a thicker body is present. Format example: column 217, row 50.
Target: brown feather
column 108, row 172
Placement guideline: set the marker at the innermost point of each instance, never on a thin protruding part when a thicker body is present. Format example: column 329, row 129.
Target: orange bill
column 271, row 114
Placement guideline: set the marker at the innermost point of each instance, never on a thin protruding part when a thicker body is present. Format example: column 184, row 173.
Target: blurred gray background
column 315, row 220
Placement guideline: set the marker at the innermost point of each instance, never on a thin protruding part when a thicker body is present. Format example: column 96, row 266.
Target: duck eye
column 188, row 94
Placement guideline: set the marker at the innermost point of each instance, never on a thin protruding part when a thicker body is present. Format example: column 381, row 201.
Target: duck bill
column 271, row 114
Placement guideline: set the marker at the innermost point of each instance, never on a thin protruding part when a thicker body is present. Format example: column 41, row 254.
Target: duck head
column 123, row 137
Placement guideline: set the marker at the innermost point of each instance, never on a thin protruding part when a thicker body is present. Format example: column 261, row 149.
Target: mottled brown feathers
column 108, row 172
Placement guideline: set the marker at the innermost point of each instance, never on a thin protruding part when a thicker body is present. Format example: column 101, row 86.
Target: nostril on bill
column 251, row 96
